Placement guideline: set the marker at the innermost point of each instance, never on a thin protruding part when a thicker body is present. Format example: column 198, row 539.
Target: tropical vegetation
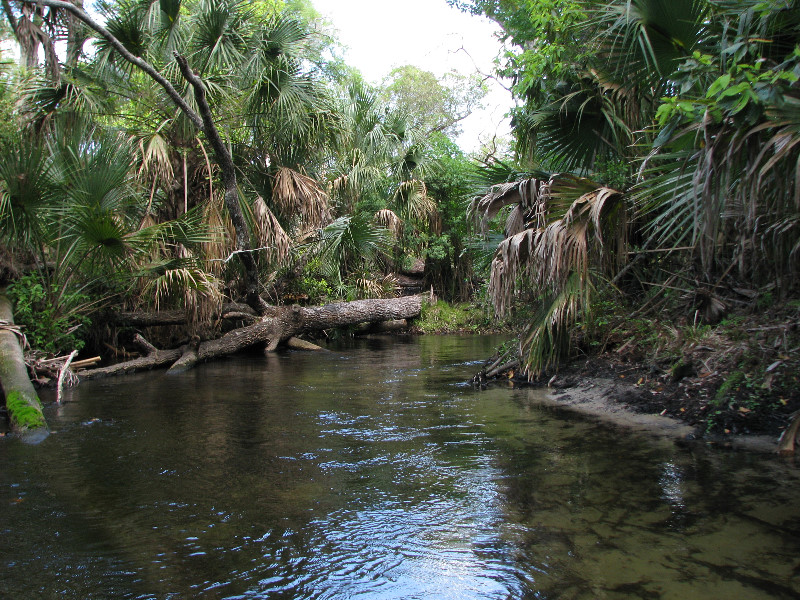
column 186, row 152
column 656, row 152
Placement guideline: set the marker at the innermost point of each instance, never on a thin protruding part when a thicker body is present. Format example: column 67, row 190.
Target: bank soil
column 737, row 383
column 638, row 397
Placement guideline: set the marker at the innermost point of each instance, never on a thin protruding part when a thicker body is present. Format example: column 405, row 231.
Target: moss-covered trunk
column 22, row 403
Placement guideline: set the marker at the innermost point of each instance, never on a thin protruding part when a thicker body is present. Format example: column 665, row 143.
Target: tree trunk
column 382, row 327
column 154, row 358
column 22, row 403
column 285, row 323
column 231, row 196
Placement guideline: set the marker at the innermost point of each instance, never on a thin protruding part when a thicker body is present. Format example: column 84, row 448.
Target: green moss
column 23, row 414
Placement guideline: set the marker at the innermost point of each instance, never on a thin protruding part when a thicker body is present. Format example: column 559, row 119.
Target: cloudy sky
column 383, row 34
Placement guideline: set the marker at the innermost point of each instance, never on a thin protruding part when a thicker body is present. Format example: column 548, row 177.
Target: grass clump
column 464, row 317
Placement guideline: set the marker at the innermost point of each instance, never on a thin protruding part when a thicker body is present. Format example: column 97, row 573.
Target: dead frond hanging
column 297, row 195
column 223, row 243
column 187, row 286
column 388, row 219
column 413, row 200
column 531, row 195
column 271, row 235
column 156, row 163
column 557, row 259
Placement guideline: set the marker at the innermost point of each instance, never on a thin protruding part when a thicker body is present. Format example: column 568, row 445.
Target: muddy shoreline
column 640, row 397
column 600, row 399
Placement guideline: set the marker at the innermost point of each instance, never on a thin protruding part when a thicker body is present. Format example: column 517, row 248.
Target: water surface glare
column 374, row 471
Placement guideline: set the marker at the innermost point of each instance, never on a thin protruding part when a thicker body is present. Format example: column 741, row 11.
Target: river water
column 375, row 471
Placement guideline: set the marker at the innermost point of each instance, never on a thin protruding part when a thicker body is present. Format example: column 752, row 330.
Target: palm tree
column 72, row 201
column 700, row 96
column 564, row 236
column 239, row 63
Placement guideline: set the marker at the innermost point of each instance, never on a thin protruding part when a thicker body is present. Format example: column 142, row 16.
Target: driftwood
column 296, row 343
column 62, row 374
column 22, row 403
column 283, row 324
column 153, row 358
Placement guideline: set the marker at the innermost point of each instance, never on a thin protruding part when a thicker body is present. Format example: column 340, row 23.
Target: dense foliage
column 662, row 141
column 110, row 191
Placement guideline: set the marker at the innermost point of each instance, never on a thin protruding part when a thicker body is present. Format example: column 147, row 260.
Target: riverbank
column 733, row 383
column 626, row 405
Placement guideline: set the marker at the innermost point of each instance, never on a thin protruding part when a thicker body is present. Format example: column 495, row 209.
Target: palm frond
column 413, row 201
column 546, row 341
column 297, row 195
column 390, row 221
column 271, row 236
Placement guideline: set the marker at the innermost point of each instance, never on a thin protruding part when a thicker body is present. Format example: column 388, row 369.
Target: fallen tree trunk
column 22, row 403
column 153, row 358
column 382, row 327
column 285, row 323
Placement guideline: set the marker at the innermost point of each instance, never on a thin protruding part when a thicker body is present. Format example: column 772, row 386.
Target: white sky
column 382, row 34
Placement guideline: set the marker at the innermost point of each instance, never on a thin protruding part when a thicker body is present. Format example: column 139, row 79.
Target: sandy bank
column 601, row 398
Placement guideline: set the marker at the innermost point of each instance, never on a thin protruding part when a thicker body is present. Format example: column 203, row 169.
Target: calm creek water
column 374, row 471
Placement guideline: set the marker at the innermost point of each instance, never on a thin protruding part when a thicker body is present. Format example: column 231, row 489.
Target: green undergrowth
column 51, row 328
column 463, row 317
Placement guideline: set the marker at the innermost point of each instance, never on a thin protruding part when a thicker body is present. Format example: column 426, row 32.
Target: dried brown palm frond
column 530, row 195
column 271, row 236
column 295, row 194
column 413, row 200
column 548, row 255
column 370, row 286
column 223, row 243
column 187, row 286
column 209, row 168
column 515, row 222
column 547, row 339
column 155, row 157
column 388, row 219
column 557, row 259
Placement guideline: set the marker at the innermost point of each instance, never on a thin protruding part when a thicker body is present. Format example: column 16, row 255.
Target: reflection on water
column 373, row 471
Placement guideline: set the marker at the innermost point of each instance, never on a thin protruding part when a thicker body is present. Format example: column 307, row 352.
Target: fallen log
column 153, row 358
column 188, row 357
column 382, row 327
column 22, row 403
column 297, row 344
column 86, row 362
column 284, row 323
